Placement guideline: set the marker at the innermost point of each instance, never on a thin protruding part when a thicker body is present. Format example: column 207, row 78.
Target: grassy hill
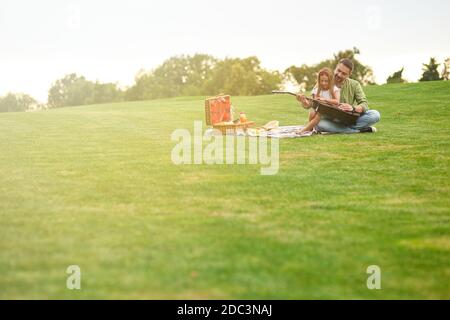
column 95, row 186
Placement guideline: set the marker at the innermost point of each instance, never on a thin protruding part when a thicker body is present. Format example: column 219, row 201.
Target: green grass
column 95, row 186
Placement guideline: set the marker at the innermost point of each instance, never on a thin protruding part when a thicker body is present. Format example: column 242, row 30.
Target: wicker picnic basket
column 218, row 110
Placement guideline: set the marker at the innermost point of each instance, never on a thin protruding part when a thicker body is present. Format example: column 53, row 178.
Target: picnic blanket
column 278, row 132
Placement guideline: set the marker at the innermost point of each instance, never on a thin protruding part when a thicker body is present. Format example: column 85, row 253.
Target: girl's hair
column 326, row 72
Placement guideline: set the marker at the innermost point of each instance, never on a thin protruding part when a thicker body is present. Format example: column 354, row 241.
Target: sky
column 110, row 41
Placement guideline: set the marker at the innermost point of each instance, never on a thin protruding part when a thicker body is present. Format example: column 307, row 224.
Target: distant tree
column 177, row 76
column 304, row 75
column 199, row 69
column 74, row 90
column 203, row 75
column 307, row 75
column 104, row 93
column 430, row 71
column 143, row 89
column 361, row 72
column 446, row 70
column 242, row 77
column 15, row 102
column 68, row 91
column 396, row 77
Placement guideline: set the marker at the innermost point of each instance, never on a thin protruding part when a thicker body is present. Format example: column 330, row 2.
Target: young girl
column 324, row 90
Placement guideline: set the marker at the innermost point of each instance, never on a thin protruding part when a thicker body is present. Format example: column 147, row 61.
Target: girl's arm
column 333, row 101
column 336, row 100
column 305, row 102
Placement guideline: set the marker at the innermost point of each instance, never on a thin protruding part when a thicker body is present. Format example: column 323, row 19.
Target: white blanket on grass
column 279, row 132
column 285, row 132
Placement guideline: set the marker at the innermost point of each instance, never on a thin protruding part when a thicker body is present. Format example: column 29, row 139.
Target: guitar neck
column 307, row 98
column 284, row 92
column 290, row 93
column 320, row 102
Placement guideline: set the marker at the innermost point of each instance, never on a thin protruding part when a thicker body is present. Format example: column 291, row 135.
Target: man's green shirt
column 353, row 94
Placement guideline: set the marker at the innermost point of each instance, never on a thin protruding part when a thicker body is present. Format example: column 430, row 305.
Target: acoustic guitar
column 333, row 112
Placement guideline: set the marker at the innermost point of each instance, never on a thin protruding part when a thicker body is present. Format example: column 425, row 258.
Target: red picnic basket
column 218, row 114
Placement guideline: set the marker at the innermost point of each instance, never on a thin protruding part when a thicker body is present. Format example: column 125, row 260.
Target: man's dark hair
column 348, row 63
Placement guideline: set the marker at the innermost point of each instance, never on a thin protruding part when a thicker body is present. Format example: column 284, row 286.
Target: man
column 352, row 98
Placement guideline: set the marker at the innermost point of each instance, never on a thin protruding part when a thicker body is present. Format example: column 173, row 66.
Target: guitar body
column 334, row 113
column 348, row 118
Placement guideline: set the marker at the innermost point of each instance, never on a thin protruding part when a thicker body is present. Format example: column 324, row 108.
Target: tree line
column 202, row 74
column 430, row 72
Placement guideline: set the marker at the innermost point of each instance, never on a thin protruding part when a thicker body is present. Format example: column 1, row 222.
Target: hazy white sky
column 110, row 41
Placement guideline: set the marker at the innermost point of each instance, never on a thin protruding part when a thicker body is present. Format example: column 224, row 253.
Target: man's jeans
column 368, row 119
